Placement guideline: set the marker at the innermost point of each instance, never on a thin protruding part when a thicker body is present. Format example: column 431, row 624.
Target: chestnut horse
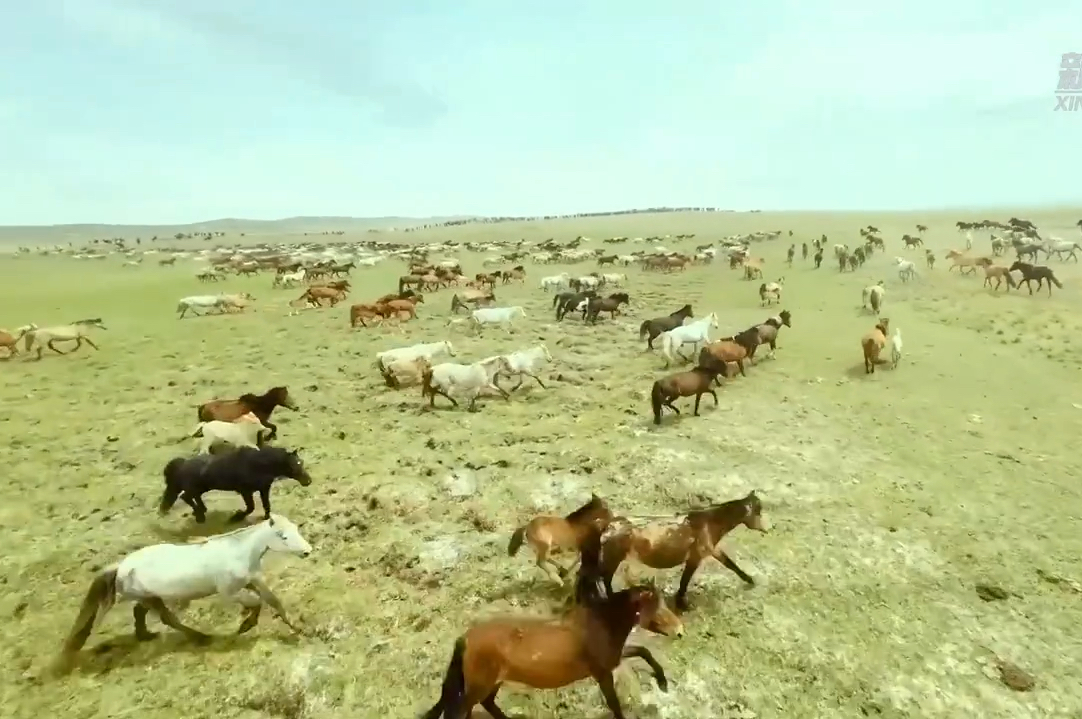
column 589, row 641
column 730, row 349
column 314, row 296
column 546, row 534
column 230, row 410
column 873, row 344
column 664, row 545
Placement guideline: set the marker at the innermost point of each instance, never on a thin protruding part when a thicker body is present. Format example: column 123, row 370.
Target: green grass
column 891, row 497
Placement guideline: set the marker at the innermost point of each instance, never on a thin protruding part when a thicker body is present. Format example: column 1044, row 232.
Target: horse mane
column 882, row 328
column 585, row 509
column 774, row 321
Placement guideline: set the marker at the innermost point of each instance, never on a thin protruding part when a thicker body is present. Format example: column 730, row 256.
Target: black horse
column 650, row 329
column 245, row 471
column 1035, row 272
column 568, row 301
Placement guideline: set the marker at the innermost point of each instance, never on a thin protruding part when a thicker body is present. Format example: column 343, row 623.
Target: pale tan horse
column 965, row 263
column 77, row 332
column 999, row 273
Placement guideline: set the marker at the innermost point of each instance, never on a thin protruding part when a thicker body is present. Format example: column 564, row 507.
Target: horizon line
column 555, row 216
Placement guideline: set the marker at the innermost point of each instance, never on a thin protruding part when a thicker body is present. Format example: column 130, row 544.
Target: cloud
column 314, row 56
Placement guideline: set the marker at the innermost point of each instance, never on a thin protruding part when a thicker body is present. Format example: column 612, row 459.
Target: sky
column 159, row 111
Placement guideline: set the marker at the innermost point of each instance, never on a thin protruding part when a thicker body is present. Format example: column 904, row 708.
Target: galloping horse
column 77, row 332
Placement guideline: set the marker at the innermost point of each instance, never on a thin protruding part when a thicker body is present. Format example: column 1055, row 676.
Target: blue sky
column 160, row 111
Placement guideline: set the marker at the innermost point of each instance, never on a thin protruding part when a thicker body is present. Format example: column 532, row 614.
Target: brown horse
column 396, row 308
column 610, row 304
column 314, row 296
column 730, row 349
column 10, row 342
column 547, row 534
column 695, row 381
column 403, row 295
column 230, row 410
column 588, row 642
column 361, row 312
column 768, row 331
column 666, row 544
column 873, row 343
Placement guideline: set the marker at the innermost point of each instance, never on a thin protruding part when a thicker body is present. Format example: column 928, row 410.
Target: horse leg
column 690, row 567
column 740, row 366
column 170, row 620
column 669, row 403
column 489, row 705
column 268, row 597
column 548, row 566
column 608, row 690
column 698, row 399
column 51, row 346
column 264, row 499
column 714, row 395
column 139, row 613
column 89, row 342
column 199, row 510
column 249, row 507
column 273, row 429
column 729, row 564
column 644, row 654
column 538, row 380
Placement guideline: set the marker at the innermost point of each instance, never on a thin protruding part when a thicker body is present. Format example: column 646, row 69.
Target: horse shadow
column 217, row 523
column 125, row 652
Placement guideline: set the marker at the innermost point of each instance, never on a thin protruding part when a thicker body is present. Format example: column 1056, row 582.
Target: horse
column 314, row 296
column 997, row 272
column 873, row 343
column 692, row 333
column 963, row 261
column 696, row 381
column 896, row 348
column 228, row 564
column 1059, row 248
column 874, row 295
column 566, row 302
column 768, row 331
column 907, row 269
column 10, row 342
column 246, row 471
column 609, row 304
column 730, row 349
column 587, row 642
column 770, row 292
column 547, row 534
column 230, row 410
column 687, row 539
column 650, row 329
column 1029, row 272
column 77, row 332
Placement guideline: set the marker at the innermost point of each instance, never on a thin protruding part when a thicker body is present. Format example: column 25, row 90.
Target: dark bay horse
column 1035, row 272
column 650, row 329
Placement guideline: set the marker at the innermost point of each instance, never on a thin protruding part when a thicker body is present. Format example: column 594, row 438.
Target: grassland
column 891, row 497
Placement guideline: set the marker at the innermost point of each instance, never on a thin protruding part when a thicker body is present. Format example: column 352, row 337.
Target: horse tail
column 1053, row 280
column 644, row 329
column 875, row 301
column 656, row 396
column 453, row 691
column 517, row 538
column 99, row 599
column 401, row 284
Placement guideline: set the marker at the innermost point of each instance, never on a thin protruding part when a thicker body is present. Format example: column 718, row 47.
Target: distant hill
column 37, row 234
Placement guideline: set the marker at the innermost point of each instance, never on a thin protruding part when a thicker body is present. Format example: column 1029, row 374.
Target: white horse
column 906, row 269
column 203, row 302
column 227, row 564
column 692, row 333
column 467, row 381
column 873, row 294
column 522, row 363
column 289, row 279
column 1059, row 247
column 245, row 431
column 496, row 316
column 895, row 347
column 77, row 332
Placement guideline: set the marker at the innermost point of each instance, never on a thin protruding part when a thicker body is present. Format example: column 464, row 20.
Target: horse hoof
column 146, row 636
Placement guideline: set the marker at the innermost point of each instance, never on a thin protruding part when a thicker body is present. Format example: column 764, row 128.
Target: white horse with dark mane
column 693, row 333
column 77, row 332
column 228, row 564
